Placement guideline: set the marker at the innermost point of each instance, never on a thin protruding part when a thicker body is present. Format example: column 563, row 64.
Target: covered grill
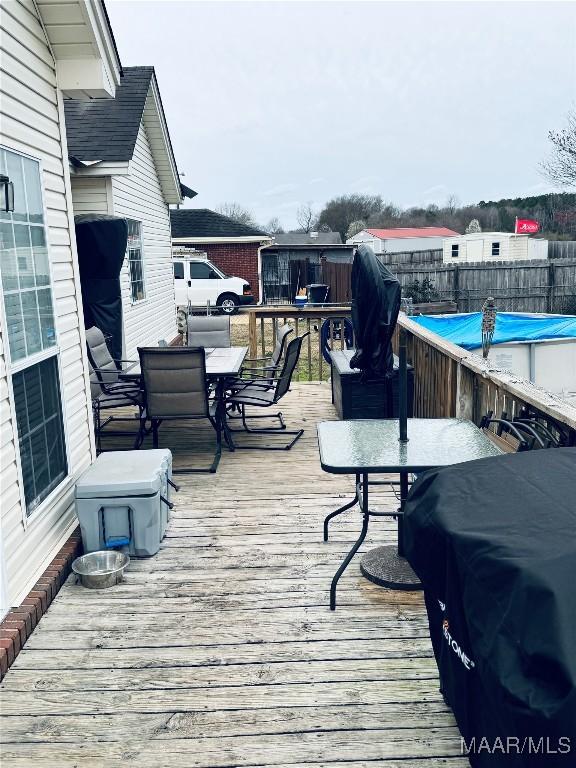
column 494, row 543
column 102, row 244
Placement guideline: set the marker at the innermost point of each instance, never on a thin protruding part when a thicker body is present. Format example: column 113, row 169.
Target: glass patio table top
column 371, row 446
column 221, row 362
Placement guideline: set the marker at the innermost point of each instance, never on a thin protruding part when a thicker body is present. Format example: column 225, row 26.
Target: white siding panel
column 32, row 122
column 89, row 194
column 139, row 196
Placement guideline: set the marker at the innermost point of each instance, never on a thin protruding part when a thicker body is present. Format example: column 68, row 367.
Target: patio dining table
column 365, row 447
column 222, row 363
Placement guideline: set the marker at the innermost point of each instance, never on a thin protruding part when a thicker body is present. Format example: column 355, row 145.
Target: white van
column 197, row 281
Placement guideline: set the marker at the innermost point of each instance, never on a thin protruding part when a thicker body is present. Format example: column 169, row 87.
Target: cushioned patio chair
column 174, row 388
column 260, row 393
column 208, row 331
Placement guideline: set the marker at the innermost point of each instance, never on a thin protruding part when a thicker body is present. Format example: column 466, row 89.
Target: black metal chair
column 174, row 388
column 263, row 393
column 268, row 366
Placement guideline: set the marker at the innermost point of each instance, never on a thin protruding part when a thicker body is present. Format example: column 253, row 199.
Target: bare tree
column 236, row 212
column 560, row 168
column 306, row 218
column 274, row 227
column 452, row 204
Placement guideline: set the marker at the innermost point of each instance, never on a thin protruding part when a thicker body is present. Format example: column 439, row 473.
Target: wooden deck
column 221, row 649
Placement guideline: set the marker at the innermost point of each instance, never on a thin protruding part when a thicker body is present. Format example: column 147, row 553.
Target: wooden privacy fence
column 525, row 286
column 562, row 249
column 450, row 381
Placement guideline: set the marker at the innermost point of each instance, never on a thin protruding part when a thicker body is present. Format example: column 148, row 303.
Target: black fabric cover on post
column 494, row 543
column 102, row 244
column 375, row 307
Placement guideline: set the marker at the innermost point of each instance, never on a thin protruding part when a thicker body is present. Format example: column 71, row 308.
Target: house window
column 30, row 329
column 135, row 260
column 495, row 249
column 455, row 249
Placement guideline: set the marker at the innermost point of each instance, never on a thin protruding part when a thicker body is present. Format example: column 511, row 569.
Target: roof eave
column 156, row 126
column 95, row 71
column 226, row 239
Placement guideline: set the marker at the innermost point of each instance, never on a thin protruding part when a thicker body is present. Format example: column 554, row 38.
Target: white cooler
column 123, row 501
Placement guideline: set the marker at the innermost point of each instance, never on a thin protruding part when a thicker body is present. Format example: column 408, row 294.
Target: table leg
column 387, row 566
column 346, row 506
column 357, row 545
column 220, row 396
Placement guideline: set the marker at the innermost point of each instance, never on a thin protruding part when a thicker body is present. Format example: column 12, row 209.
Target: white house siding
column 91, row 194
column 32, row 122
column 138, row 196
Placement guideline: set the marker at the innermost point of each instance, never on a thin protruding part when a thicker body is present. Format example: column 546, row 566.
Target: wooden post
column 252, row 334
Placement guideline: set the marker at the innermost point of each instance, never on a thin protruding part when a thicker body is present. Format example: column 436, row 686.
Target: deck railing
column 450, row 381
column 264, row 321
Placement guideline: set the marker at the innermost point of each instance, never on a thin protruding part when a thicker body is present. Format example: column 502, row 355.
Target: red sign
column 526, row 226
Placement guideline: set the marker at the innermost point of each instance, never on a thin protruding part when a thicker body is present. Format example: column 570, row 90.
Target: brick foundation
column 18, row 624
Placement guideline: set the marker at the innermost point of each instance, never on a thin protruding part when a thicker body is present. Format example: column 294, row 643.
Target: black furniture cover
column 102, row 244
column 375, row 307
column 494, row 543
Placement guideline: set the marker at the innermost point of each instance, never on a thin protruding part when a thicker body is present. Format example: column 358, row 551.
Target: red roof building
column 403, row 239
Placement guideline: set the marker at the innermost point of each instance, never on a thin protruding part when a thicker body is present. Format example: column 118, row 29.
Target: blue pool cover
column 466, row 329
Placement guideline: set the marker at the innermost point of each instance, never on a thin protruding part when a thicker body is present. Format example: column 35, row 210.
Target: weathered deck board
column 221, row 650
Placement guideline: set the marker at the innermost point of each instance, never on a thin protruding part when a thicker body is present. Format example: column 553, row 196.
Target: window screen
column 135, row 260
column 30, row 327
column 40, row 430
column 24, row 262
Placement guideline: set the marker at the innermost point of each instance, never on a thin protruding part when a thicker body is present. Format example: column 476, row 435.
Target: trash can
column 318, row 293
column 123, row 501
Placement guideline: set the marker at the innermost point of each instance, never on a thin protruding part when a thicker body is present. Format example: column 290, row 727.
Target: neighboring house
column 493, row 246
column 232, row 247
column 123, row 165
column 403, row 239
column 294, row 260
column 46, row 438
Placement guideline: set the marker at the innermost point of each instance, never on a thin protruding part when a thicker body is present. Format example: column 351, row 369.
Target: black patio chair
column 270, row 365
column 260, row 393
column 112, row 396
column 174, row 388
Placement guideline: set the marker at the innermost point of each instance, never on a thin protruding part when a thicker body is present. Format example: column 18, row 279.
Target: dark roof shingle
column 107, row 129
column 303, row 238
column 202, row 222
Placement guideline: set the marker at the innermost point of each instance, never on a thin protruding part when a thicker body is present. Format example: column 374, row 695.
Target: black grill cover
column 101, row 244
column 494, row 543
column 375, row 307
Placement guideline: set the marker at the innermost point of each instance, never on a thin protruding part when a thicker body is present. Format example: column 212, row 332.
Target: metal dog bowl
column 99, row 570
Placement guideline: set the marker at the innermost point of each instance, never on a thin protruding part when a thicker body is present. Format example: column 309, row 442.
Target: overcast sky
column 275, row 104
